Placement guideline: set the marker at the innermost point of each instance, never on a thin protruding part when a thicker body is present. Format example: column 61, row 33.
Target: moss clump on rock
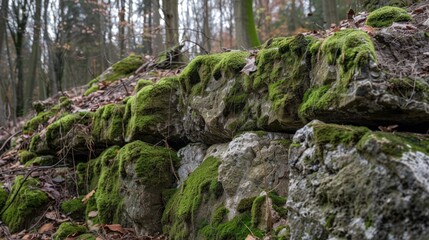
column 107, row 124
column 149, row 109
column 60, row 129
column 25, row 156
column 41, row 161
column 337, row 134
column 90, row 90
column 68, row 229
column 237, row 228
column 74, row 208
column 128, row 64
column 29, row 201
column 345, row 52
column 3, row 196
column 42, row 117
column 179, row 212
column 151, row 166
column 386, row 16
column 141, row 84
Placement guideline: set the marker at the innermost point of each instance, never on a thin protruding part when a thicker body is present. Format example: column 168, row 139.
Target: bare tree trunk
column 34, row 56
column 122, row 29
column 171, row 17
column 3, row 90
column 245, row 30
column 156, row 28
column 147, row 27
column 21, row 14
column 206, row 28
column 330, row 12
column 220, row 6
column 53, row 87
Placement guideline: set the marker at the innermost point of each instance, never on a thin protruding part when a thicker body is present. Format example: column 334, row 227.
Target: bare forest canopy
column 48, row 46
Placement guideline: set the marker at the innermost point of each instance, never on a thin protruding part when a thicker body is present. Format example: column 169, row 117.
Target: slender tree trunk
column 130, row 27
column 53, row 87
column 21, row 13
column 293, row 22
column 147, row 27
column 171, row 17
column 330, row 12
column 34, row 56
column 122, row 29
column 206, row 27
column 245, row 29
column 156, row 26
column 3, row 90
column 220, row 6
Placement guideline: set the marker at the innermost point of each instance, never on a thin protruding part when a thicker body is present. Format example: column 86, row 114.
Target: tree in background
column 245, row 28
column 330, row 12
column 170, row 9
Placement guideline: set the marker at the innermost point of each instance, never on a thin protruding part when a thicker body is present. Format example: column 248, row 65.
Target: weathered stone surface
column 351, row 183
column 191, row 157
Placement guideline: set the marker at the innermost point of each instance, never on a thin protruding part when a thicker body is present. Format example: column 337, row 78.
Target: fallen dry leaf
column 47, row 227
column 250, row 66
column 92, row 214
column 250, row 237
column 88, row 196
column 52, row 215
column 115, row 228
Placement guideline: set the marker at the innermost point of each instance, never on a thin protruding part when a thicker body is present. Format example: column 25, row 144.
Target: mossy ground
column 29, row 201
column 75, row 208
column 25, row 156
column 386, row 16
column 68, row 229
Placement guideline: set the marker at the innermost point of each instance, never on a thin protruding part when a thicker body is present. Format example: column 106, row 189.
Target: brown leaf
column 250, row 237
column 47, row 227
column 369, row 30
column 88, row 196
column 115, row 228
column 250, row 66
column 389, row 128
column 52, row 215
column 92, row 214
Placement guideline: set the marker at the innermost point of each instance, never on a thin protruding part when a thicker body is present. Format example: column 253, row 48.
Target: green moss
column 94, row 81
column 236, row 99
column 181, row 207
column 237, row 228
column 107, row 124
column 276, row 199
column 128, row 65
column 409, row 88
column 41, row 161
column 151, row 164
column 198, row 73
column 58, row 130
column 150, row 107
column 337, row 134
column 256, row 210
column 90, row 90
column 395, row 144
column 86, row 236
column 345, row 51
column 68, row 229
column 329, row 221
column 245, row 204
column 25, row 156
column 219, row 215
column 141, row 84
column 74, row 208
column 281, row 211
column 385, row 16
column 29, row 201
column 3, row 196
column 41, row 119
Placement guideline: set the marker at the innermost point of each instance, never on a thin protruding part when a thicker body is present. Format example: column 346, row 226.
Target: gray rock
column 191, row 157
column 358, row 189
